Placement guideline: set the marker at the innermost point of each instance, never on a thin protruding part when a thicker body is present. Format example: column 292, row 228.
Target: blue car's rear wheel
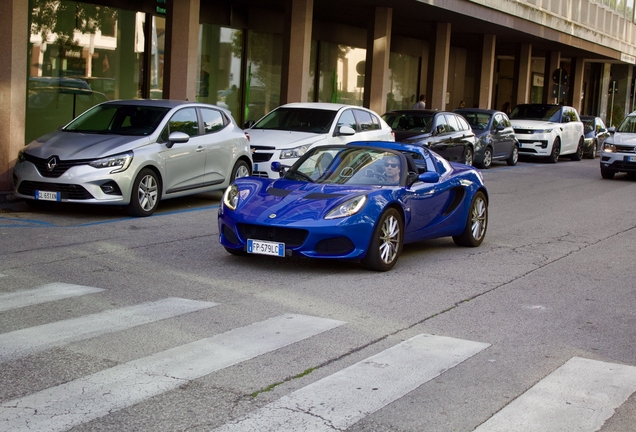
column 386, row 242
column 476, row 223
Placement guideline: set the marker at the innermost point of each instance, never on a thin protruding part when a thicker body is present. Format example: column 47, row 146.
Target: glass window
column 185, row 121
column 463, row 124
column 452, row 124
column 404, row 75
column 213, row 120
column 264, row 66
column 340, row 80
column 347, row 119
column 364, row 120
column 440, row 124
column 220, row 70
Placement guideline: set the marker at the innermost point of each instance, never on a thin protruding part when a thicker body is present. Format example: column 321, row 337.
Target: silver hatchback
column 134, row 153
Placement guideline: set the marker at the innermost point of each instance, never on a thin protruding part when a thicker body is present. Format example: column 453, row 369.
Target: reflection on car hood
column 533, row 124
column 407, row 136
column 292, row 201
column 73, row 145
column 282, row 139
column 623, row 138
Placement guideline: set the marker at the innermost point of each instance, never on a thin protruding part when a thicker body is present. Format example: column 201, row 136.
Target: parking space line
column 44, row 294
column 27, row 341
column 580, row 395
column 97, row 395
column 342, row 399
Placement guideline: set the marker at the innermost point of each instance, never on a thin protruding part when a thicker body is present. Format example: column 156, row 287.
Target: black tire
column 578, row 155
column 236, row 252
column 487, row 160
column 607, row 173
column 514, row 156
column 476, row 223
column 592, row 153
column 556, row 150
column 145, row 194
column 468, row 156
column 241, row 169
column 386, row 242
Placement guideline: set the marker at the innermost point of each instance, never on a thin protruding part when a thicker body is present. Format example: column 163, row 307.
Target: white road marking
column 44, row 294
column 97, row 395
column 27, row 341
column 579, row 396
column 342, row 399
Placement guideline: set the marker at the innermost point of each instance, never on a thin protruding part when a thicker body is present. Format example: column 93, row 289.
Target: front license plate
column 265, row 247
column 631, row 158
column 48, row 196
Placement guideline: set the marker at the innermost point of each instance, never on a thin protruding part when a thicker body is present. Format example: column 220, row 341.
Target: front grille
column 69, row 191
column 524, row 131
column 230, row 235
column 526, row 150
column 335, row 246
column 60, row 168
column 625, row 149
column 261, row 157
column 260, row 174
column 623, row 166
column 292, row 237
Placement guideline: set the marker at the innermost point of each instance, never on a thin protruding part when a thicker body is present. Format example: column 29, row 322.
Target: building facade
column 250, row 56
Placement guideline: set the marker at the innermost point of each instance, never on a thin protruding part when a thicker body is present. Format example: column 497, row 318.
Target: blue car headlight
column 231, row 197
column 348, row 208
column 120, row 162
column 294, row 153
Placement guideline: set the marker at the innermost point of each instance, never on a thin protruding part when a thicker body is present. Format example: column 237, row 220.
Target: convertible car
column 362, row 201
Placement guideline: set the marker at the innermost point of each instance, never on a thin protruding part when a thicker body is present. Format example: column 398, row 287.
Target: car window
column 364, row 120
column 213, row 120
column 347, row 119
column 440, row 124
column 537, row 112
column 119, row 119
column 452, row 125
column 463, row 124
column 600, row 125
column 297, row 120
column 628, row 125
column 185, row 121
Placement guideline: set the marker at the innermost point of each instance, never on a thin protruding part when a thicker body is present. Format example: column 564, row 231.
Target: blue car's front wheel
column 386, row 242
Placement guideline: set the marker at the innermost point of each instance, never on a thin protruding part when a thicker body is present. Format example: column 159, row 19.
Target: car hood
column 285, row 201
column 623, row 138
column 533, row 124
column 73, row 145
column 283, row 139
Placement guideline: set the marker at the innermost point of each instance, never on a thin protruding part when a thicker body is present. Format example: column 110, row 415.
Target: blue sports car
column 360, row 201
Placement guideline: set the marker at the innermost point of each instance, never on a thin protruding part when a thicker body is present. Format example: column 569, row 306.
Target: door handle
column 199, row 149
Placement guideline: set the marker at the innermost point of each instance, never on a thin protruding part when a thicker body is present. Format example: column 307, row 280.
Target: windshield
column 352, row 166
column 628, row 125
column 476, row 120
column 409, row 122
column 119, row 120
column 588, row 125
column 298, row 119
column 537, row 112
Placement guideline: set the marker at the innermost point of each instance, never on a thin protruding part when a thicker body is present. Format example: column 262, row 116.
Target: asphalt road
column 534, row 330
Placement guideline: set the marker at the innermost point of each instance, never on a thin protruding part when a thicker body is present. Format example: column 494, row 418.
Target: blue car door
column 426, row 202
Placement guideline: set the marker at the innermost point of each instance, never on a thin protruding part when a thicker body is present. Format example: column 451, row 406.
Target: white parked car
column 619, row 149
column 286, row 133
column 549, row 131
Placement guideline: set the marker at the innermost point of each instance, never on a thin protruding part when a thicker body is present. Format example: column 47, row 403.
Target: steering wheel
column 380, row 177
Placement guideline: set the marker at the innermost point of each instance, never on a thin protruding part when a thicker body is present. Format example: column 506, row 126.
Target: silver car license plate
column 48, row 196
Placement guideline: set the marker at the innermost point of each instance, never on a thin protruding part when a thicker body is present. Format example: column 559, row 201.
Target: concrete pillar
column 605, row 79
column 523, row 71
column 296, row 51
column 487, row 71
column 182, row 49
column 376, row 80
column 424, row 74
column 14, row 26
column 552, row 63
column 576, row 84
column 438, row 67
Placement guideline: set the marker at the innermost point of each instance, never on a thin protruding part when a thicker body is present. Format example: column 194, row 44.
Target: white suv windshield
column 298, row 120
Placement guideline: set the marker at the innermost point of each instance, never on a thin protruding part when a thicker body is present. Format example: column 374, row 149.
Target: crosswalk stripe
column 580, row 395
column 27, row 341
column 44, row 294
column 342, row 399
column 94, row 396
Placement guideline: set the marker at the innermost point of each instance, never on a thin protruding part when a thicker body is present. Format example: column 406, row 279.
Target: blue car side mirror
column 429, row 177
column 280, row 168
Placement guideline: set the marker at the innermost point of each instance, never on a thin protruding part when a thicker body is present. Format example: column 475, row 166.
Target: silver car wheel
column 468, row 156
column 147, row 193
column 389, row 239
column 478, row 218
column 242, row 171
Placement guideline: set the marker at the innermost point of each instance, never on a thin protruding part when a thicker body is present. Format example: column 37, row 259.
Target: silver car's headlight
column 231, row 197
column 294, row 153
column 121, row 162
column 609, row 147
column 347, row 208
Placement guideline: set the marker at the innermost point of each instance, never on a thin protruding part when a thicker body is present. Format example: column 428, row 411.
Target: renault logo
column 51, row 163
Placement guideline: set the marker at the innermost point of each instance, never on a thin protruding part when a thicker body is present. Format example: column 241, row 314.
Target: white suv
column 548, row 131
column 287, row 132
column 619, row 149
